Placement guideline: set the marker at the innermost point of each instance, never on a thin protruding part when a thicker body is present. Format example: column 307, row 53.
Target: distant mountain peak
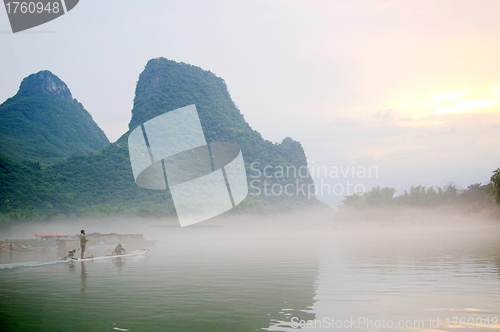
column 44, row 83
column 454, row 184
column 165, row 85
column 43, row 123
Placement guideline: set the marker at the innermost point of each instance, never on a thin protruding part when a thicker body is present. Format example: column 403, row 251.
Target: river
column 242, row 276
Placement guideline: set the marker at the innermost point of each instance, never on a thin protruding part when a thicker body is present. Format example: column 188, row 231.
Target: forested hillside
column 43, row 123
column 102, row 182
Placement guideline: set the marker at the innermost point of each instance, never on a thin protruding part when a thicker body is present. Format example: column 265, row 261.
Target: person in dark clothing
column 119, row 249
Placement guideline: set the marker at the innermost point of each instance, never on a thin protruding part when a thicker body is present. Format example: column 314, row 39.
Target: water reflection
column 83, row 277
column 119, row 262
column 207, row 280
column 71, row 267
column 420, row 279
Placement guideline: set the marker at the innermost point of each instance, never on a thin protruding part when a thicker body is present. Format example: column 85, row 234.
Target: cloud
column 388, row 115
column 452, row 101
column 447, row 96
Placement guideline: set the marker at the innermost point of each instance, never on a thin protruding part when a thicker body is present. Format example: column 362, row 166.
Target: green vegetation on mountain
column 102, row 183
column 43, row 123
column 495, row 182
column 95, row 184
column 166, row 85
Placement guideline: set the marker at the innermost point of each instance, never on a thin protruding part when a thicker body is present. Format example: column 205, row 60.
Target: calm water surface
column 244, row 279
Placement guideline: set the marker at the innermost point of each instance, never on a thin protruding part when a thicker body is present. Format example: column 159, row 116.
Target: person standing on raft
column 83, row 241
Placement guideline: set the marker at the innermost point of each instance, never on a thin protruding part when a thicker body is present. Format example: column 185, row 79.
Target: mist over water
column 250, row 273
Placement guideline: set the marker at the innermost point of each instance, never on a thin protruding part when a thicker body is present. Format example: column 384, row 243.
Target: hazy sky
column 409, row 87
